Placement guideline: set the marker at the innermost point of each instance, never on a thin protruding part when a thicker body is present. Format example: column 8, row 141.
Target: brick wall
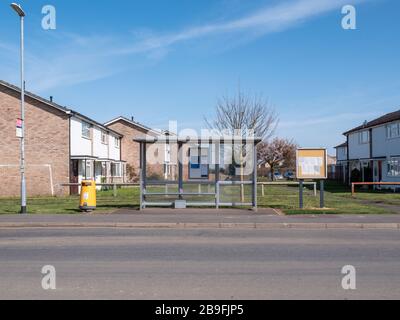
column 46, row 147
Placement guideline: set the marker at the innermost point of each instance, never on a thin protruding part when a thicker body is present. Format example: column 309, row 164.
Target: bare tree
column 277, row 153
column 245, row 113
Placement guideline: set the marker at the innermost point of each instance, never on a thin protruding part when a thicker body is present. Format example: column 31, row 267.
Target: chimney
column 51, row 98
column 133, row 119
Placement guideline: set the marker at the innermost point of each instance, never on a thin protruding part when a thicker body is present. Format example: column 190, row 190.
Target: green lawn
column 338, row 200
column 127, row 198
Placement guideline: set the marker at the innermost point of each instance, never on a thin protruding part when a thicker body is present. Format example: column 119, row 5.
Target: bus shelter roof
column 197, row 140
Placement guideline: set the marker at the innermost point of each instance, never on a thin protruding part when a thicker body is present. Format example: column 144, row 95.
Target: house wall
column 356, row 149
column 382, row 146
column 80, row 146
column 115, row 152
column 100, row 149
column 93, row 147
column 46, row 146
column 341, row 154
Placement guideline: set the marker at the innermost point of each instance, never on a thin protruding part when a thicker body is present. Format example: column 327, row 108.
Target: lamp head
column 17, row 8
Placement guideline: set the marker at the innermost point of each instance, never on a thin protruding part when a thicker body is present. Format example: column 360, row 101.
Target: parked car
column 290, row 175
column 278, row 176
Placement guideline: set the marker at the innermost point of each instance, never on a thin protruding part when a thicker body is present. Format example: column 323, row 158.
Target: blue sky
column 171, row 60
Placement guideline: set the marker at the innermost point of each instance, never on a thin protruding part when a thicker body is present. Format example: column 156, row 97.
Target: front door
column 380, row 177
column 74, row 178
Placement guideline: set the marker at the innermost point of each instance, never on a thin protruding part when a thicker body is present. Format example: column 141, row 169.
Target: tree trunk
column 272, row 172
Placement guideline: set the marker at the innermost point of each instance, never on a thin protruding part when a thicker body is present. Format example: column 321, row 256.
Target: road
column 199, row 264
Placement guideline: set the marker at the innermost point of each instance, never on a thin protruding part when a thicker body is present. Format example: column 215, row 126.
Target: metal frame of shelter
column 180, row 142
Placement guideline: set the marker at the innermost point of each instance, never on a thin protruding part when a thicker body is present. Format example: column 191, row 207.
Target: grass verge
column 285, row 198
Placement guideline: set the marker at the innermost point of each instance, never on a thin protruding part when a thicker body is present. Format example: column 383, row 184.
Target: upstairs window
column 117, row 142
column 364, row 137
column 393, row 131
column 86, row 130
column 104, row 138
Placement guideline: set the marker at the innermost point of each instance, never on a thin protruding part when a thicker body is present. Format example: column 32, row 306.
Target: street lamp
column 17, row 8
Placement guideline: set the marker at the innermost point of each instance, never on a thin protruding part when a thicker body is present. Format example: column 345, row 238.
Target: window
column 167, row 170
column 394, row 167
column 393, row 131
column 116, row 169
column 364, row 137
column 104, row 138
column 117, row 142
column 86, row 130
column 167, row 153
column 87, row 171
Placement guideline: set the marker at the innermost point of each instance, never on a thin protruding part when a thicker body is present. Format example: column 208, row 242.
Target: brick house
column 163, row 166
column 47, row 144
column 61, row 146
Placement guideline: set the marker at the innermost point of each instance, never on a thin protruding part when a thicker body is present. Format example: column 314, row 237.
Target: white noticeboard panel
column 199, row 163
column 312, row 164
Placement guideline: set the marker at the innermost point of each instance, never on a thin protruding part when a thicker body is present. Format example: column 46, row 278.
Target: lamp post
column 17, row 8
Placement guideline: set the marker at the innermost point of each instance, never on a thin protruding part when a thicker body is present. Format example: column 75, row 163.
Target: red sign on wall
column 19, row 128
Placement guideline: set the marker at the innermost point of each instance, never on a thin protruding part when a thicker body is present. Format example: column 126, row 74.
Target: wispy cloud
column 265, row 20
column 73, row 59
column 328, row 119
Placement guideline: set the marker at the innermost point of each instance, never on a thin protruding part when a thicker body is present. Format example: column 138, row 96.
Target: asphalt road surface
column 199, row 264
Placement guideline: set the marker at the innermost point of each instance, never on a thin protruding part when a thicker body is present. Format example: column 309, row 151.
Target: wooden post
column 353, row 189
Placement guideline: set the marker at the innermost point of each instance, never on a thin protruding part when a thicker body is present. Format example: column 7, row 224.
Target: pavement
column 204, row 264
column 201, row 219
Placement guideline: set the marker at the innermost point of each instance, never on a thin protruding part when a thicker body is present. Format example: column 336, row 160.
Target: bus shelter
column 200, row 179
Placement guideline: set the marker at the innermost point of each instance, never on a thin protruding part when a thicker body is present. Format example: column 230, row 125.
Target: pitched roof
column 35, row 97
column 342, row 145
column 133, row 123
column 390, row 117
column 58, row 107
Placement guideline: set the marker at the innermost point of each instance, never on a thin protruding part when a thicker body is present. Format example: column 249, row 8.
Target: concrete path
column 195, row 218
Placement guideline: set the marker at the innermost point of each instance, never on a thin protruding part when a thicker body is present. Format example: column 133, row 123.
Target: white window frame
column 394, row 167
column 393, row 130
column 117, row 142
column 361, row 136
column 87, row 169
column 86, row 130
column 116, row 173
column 104, row 137
column 167, row 153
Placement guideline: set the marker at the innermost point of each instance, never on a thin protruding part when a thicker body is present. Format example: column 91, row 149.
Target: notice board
column 312, row 164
